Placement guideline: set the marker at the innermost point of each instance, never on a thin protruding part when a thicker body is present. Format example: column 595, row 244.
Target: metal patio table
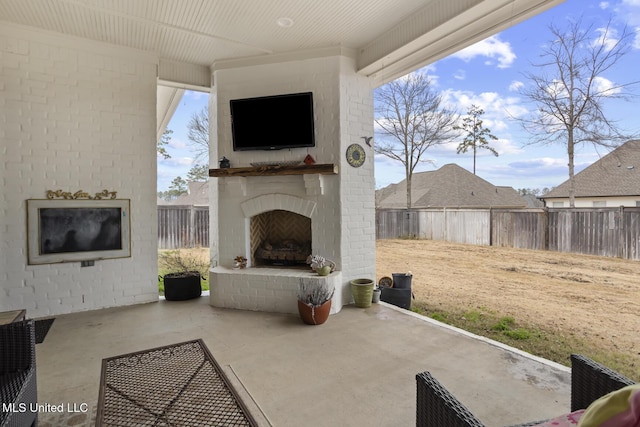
column 179, row 384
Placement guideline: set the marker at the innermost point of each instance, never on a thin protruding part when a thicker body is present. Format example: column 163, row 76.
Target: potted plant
column 314, row 301
column 186, row 270
column 321, row 265
column 239, row 262
column 362, row 291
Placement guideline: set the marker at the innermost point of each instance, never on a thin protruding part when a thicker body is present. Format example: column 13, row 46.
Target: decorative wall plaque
column 355, row 155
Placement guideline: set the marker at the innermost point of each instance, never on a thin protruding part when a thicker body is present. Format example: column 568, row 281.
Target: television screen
column 77, row 230
column 272, row 122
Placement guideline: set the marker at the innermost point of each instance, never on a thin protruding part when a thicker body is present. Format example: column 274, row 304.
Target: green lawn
column 552, row 345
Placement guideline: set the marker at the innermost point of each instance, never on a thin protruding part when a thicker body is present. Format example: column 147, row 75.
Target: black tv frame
column 271, row 115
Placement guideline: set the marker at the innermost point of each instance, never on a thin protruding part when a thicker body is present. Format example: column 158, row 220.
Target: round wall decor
column 355, row 155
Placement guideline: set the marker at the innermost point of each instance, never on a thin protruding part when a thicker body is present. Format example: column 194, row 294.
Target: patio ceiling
column 389, row 37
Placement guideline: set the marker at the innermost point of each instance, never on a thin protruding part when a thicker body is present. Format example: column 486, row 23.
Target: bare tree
column 411, row 118
column 477, row 134
column 570, row 89
column 199, row 134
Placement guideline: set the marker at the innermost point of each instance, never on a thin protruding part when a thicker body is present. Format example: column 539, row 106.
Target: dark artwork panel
column 65, row 230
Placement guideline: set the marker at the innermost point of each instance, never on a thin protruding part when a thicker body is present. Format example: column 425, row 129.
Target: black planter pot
column 402, row 280
column 182, row 286
column 398, row 297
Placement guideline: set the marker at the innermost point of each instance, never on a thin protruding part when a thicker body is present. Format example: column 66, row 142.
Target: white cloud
column 177, row 162
column 604, row 5
column 498, row 114
column 497, row 108
column 607, row 38
column 555, row 89
column 460, row 75
column 515, row 86
column 178, row 144
column 629, row 10
column 492, row 48
column 605, row 86
column 636, row 39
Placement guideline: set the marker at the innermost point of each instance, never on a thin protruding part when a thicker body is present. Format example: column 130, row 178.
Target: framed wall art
column 77, row 230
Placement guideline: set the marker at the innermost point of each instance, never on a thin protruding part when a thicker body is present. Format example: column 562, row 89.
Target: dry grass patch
column 555, row 303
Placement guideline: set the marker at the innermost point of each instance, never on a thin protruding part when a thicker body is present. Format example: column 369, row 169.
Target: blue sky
column 487, row 74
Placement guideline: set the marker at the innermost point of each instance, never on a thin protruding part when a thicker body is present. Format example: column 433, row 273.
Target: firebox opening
column 280, row 238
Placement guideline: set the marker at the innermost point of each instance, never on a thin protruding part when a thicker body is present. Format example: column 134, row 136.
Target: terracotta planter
column 314, row 315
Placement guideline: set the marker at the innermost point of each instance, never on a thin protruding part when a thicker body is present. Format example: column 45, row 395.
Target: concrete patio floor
column 358, row 369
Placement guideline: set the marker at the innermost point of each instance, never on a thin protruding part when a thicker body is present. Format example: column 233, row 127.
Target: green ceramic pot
column 362, row 291
column 324, row 271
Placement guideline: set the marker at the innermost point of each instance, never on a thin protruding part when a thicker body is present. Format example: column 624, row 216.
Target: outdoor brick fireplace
column 260, row 218
column 326, row 208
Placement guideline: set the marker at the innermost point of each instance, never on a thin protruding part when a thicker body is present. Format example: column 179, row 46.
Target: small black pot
column 182, row 286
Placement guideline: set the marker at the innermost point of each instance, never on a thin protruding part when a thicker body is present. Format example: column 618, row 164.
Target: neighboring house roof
column 616, row 174
column 533, row 201
column 450, row 186
column 197, row 195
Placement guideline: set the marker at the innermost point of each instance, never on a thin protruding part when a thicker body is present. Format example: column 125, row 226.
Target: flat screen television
column 273, row 122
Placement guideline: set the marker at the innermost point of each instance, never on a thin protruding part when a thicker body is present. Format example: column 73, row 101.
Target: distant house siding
column 590, row 202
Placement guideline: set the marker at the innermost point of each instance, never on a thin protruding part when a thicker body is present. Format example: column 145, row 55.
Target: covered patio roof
column 388, row 38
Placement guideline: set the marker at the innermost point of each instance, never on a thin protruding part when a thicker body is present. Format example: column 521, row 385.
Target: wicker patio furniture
column 437, row 407
column 179, row 384
column 18, row 386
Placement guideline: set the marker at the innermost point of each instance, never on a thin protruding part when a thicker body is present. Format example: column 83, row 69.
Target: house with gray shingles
column 197, row 195
column 612, row 181
column 451, row 186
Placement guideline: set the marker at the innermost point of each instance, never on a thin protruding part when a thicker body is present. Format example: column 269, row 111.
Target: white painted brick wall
column 343, row 225
column 266, row 289
column 75, row 115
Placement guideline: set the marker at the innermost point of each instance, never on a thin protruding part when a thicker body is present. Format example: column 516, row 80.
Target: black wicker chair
column 18, row 374
column 436, row 407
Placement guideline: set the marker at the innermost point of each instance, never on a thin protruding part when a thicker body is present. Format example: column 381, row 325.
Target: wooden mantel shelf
column 321, row 169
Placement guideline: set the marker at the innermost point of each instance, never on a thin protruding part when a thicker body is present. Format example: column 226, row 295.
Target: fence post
column 490, row 226
column 545, row 229
column 622, row 233
column 192, row 226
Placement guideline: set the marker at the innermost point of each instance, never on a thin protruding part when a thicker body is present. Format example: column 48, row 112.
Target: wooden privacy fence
column 183, row 226
column 613, row 232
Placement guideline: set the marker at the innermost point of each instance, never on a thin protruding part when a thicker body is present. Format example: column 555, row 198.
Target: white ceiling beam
column 184, row 75
column 441, row 29
column 167, row 102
